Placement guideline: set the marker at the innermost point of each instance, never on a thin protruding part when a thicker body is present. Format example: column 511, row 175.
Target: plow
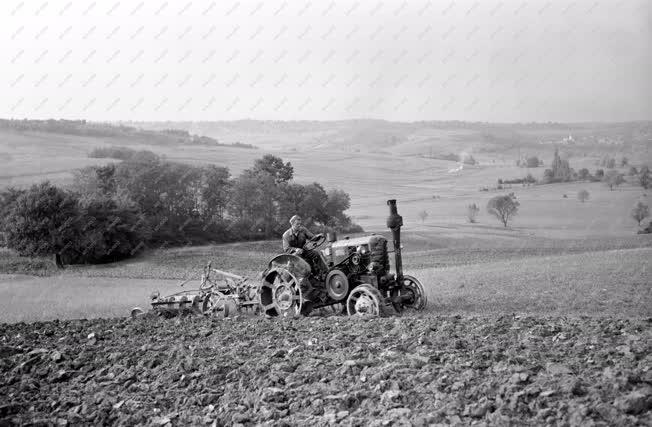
column 352, row 276
column 220, row 294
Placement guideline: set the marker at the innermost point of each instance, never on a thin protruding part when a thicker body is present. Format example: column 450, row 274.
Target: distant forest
column 85, row 128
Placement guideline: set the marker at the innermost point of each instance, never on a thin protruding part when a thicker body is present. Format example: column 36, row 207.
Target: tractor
column 355, row 275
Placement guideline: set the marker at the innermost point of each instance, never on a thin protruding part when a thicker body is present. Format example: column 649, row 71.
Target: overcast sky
column 411, row 60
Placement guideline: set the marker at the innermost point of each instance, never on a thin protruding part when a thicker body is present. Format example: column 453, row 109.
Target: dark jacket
column 293, row 240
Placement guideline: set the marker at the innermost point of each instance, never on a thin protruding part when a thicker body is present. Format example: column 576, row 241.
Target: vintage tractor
column 355, row 273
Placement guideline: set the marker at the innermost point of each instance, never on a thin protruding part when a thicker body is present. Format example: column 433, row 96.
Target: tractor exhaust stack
column 394, row 223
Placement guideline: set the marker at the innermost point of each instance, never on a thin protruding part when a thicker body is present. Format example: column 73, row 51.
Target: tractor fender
column 292, row 263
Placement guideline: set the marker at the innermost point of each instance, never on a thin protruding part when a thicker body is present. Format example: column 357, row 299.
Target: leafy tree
column 532, row 162
column 42, row 222
column 472, row 212
column 282, row 172
column 292, row 195
column 338, row 202
column 583, row 195
column 169, row 194
column 216, row 186
column 423, row 215
column 255, row 201
column 632, row 171
column 8, row 198
column 314, row 203
column 613, row 179
column 640, row 212
column 599, row 173
column 583, row 174
column 560, row 169
column 503, row 207
column 529, row 179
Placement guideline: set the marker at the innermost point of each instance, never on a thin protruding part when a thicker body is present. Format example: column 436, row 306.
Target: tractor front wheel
column 366, row 301
column 413, row 289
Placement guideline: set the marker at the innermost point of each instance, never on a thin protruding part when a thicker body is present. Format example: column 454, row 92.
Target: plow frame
column 225, row 296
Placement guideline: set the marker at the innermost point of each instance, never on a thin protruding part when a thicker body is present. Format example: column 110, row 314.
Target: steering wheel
column 315, row 242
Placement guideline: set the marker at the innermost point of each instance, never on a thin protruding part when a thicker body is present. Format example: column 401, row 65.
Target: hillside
column 373, row 161
column 426, row 138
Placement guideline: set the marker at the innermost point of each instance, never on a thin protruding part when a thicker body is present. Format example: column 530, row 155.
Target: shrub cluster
column 529, row 179
column 114, row 211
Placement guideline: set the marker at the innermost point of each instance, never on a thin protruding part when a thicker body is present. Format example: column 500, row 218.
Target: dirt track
column 319, row 371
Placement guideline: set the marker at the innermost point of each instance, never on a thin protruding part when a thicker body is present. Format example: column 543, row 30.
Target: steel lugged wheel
column 281, row 295
column 365, row 301
column 215, row 306
column 413, row 288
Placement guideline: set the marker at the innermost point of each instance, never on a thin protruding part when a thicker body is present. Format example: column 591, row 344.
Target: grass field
column 462, row 276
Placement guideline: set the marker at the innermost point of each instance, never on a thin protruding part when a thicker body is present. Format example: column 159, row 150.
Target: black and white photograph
column 325, row 212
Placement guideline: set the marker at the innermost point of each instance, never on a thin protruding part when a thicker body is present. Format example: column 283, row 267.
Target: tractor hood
column 371, row 240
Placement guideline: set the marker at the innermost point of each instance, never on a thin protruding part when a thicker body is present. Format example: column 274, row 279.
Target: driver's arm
column 308, row 233
column 286, row 242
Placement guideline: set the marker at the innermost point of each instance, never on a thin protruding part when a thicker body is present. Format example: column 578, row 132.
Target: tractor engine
column 355, row 261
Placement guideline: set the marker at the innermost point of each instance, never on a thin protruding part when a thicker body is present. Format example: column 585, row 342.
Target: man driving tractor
column 295, row 238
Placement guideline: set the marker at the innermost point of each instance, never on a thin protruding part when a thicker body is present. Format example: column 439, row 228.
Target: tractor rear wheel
column 366, row 301
column 283, row 295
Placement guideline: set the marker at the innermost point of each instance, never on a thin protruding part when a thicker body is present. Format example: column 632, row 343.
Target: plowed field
column 319, row 371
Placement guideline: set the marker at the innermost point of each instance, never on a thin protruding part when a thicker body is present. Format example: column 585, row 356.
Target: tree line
column 112, row 212
column 84, row 128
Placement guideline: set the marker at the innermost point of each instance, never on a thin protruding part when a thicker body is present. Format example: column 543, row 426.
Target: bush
column 119, row 209
column 110, row 229
column 532, row 162
column 43, row 221
column 8, row 198
column 583, row 174
column 503, row 207
column 46, row 220
column 123, row 153
column 640, row 212
column 613, row 179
